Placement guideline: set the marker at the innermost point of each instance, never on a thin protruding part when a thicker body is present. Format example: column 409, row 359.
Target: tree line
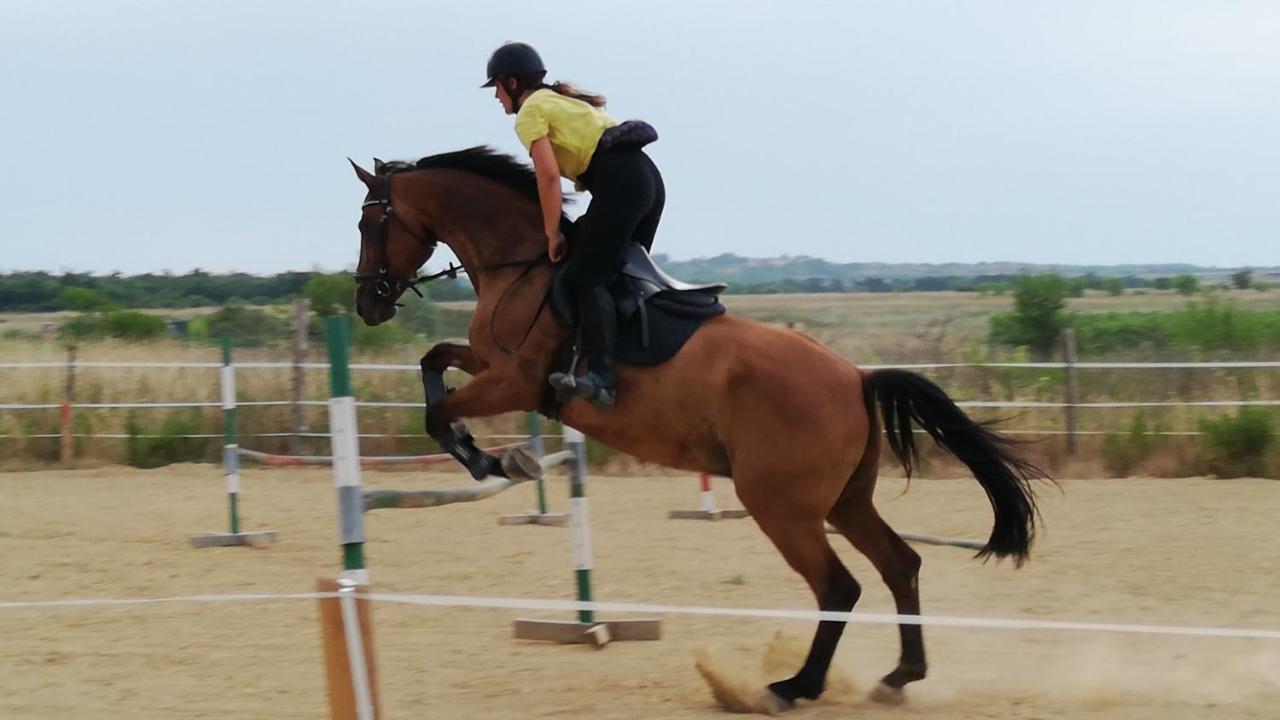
column 47, row 292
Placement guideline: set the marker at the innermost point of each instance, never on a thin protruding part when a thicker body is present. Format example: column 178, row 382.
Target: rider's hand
column 556, row 246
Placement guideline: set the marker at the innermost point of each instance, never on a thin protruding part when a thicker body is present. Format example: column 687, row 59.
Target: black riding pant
column 627, row 196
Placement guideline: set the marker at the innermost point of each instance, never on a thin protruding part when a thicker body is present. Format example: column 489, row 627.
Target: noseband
column 385, row 285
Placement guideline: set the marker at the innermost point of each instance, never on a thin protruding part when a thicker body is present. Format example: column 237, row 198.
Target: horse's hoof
column 886, row 695
column 520, row 464
column 772, row 703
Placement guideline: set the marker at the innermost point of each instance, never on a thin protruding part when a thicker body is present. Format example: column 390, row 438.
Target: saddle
column 657, row 314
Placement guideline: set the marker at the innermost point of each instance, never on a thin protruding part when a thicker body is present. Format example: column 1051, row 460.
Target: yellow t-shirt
column 573, row 127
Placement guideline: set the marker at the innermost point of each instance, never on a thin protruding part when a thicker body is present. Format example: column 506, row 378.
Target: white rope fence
column 1242, row 365
column 1024, row 404
column 982, row 404
column 512, row 603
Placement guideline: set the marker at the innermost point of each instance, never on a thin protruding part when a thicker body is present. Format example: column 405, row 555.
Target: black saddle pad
column 657, row 314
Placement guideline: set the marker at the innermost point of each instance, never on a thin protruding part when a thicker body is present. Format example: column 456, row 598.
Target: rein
column 388, row 286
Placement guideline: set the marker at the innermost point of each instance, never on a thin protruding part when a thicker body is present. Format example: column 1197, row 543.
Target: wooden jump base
column 597, row 634
column 708, row 511
column 346, row 633
column 535, row 518
column 259, row 538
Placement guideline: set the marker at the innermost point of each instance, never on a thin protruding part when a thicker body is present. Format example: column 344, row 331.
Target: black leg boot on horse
column 598, row 321
column 454, row 437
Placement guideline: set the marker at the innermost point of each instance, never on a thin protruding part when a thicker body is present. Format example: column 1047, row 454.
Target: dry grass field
column 866, row 328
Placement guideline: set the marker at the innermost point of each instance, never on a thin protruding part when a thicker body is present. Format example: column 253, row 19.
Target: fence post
column 68, row 425
column 1072, row 389
column 299, row 381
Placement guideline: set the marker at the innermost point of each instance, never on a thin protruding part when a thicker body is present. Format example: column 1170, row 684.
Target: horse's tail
column 905, row 397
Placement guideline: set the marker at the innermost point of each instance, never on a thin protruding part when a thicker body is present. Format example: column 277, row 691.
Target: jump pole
column 539, row 516
column 345, row 617
column 931, row 539
column 231, row 467
column 708, row 509
column 586, row 629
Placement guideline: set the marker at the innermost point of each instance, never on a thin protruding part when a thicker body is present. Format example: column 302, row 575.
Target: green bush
column 1037, row 318
column 123, row 324
column 382, row 336
column 84, row 300
column 1204, row 327
column 247, row 326
column 133, row 325
column 421, row 317
column 164, row 443
column 1186, row 284
column 330, row 294
column 82, row 327
column 1123, row 452
column 1237, row 445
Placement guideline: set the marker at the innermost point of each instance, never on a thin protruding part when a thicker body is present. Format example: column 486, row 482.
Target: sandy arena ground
column 1180, row 552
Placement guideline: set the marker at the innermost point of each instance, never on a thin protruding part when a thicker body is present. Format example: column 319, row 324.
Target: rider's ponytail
column 569, row 90
column 534, row 81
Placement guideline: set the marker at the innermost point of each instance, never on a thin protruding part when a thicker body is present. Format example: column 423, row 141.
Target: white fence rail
column 1069, row 405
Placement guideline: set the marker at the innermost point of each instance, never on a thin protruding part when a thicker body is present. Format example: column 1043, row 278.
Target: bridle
column 385, row 285
column 388, row 287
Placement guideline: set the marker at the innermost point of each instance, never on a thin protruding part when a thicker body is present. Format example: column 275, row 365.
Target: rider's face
column 500, row 92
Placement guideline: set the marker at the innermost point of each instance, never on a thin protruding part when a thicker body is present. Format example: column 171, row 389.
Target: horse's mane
column 481, row 160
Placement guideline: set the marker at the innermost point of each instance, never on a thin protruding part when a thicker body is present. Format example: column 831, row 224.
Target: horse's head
column 395, row 242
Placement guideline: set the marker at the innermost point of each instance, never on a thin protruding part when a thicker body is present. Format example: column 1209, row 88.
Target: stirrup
column 589, row 387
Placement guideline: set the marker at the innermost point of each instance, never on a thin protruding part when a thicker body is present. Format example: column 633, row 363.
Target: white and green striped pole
column 587, row 629
column 579, row 519
column 535, row 444
column 230, row 448
column 231, row 465
column 346, row 452
column 347, row 625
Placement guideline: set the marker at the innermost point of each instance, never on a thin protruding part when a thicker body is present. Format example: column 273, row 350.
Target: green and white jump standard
column 586, row 629
column 231, row 467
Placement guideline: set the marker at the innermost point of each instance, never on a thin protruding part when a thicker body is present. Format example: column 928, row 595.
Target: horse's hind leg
column 799, row 535
column 856, row 518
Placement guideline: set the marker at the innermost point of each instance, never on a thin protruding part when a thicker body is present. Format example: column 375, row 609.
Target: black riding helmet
column 514, row 58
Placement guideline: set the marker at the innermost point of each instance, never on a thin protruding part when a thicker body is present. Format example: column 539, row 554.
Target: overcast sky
column 141, row 136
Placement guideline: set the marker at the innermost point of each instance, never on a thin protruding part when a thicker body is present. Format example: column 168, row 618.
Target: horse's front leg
column 485, row 395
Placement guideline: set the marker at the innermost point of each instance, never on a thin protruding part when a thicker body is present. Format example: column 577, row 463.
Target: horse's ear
column 365, row 176
column 378, row 165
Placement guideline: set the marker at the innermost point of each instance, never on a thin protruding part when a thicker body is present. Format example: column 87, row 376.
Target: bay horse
column 791, row 422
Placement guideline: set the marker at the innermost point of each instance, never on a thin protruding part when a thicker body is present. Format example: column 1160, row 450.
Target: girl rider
column 568, row 133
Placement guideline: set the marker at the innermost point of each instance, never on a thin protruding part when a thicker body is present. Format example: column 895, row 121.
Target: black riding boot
column 599, row 323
